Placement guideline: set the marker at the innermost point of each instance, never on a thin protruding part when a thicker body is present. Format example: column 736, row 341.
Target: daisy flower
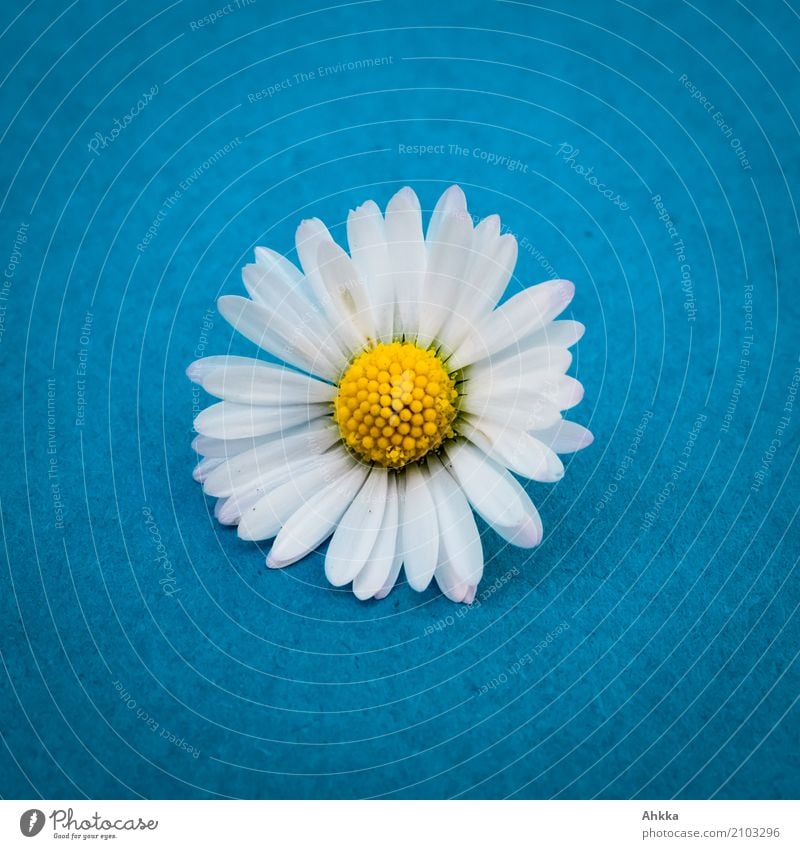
column 401, row 399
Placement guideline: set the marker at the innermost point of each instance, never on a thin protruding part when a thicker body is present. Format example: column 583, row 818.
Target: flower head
column 402, row 399
column 396, row 404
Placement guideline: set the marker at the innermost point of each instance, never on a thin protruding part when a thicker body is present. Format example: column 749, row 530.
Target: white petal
column 265, row 518
column 249, row 467
column 272, row 291
column 488, row 229
column 530, row 402
column 517, row 367
column 315, row 520
column 265, row 285
column 565, row 437
column 524, row 314
column 451, row 202
column 495, row 257
column 449, row 251
column 485, row 280
column 200, row 368
column 267, row 385
column 309, row 236
column 524, row 412
column 555, row 336
column 272, row 332
column 299, row 297
column 204, row 468
column 527, row 535
column 470, row 596
column 483, row 484
column 225, row 448
column 371, row 579
column 229, row 510
column 450, row 583
column 278, row 264
column 367, row 239
column 355, row 535
column 391, row 579
column 419, row 530
column 407, row 258
column 516, row 450
column 559, row 334
column 562, row 391
column 459, row 540
column 244, row 496
column 219, row 509
column 495, row 495
column 347, row 296
column 228, row 420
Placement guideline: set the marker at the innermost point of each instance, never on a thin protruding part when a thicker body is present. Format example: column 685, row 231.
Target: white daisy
column 403, row 400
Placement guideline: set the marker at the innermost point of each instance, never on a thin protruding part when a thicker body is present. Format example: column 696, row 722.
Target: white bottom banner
column 403, row 824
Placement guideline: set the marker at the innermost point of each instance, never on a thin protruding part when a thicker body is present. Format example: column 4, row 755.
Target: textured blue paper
column 148, row 652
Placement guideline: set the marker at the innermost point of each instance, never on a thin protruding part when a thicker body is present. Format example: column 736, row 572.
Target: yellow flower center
column 395, row 404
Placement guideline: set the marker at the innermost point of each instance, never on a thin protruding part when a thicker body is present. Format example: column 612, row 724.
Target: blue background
column 616, row 660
